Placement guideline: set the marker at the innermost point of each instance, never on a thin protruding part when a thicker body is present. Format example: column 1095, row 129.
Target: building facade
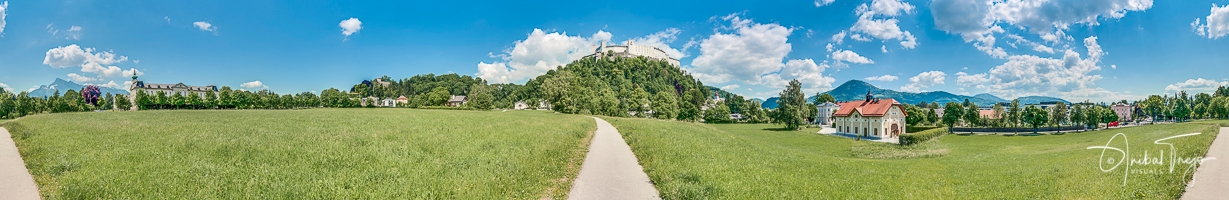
column 1123, row 110
column 633, row 50
column 824, row 114
column 138, row 86
column 872, row 118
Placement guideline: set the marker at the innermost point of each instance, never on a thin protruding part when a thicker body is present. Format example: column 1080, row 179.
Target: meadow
column 303, row 154
column 756, row 161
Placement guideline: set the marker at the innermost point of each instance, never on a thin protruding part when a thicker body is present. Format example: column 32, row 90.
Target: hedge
column 915, row 129
column 919, row 137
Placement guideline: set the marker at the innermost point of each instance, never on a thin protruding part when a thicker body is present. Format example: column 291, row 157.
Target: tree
column 951, row 114
column 480, row 97
column 932, row 117
column 122, row 103
column 438, row 96
column 824, row 97
column 91, row 94
column 639, row 102
column 1013, row 113
column 1181, row 109
column 665, row 106
column 913, row 115
column 1058, row 114
column 719, row 113
column 972, row 114
column 790, row 110
column 1035, row 116
column 997, row 116
column 1078, row 114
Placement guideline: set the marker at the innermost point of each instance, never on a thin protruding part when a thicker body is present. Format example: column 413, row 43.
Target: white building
column 633, row 50
column 876, row 118
column 825, row 111
column 169, row 89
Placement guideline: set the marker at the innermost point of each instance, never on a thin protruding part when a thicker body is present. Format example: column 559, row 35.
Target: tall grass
column 750, row 161
column 303, row 154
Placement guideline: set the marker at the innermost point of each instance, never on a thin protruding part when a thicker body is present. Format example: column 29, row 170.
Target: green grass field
column 741, row 161
column 303, row 154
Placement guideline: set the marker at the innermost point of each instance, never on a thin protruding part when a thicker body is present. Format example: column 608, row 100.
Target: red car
column 1113, row 124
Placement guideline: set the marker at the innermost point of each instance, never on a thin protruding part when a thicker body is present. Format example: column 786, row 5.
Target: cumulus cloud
column 4, row 12
column 850, row 56
column 805, row 71
column 204, row 26
column 838, row 38
column 1217, row 23
column 350, row 26
column 662, row 41
column 730, row 87
column 746, row 54
column 254, row 85
column 111, row 84
column 885, row 78
column 978, row 20
column 1196, row 85
column 80, row 79
column 1026, row 75
column 6, row 87
column 822, row 3
column 924, row 80
column 132, row 72
column 100, row 63
column 972, row 80
column 538, row 53
column 1018, row 40
column 878, row 20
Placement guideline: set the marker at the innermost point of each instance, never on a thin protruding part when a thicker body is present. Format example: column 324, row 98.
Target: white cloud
column 838, row 38
column 859, row 37
column 752, row 50
column 883, row 48
column 730, row 87
column 1217, row 23
column 1019, row 40
column 805, row 71
column 132, row 72
column 254, row 85
column 822, row 3
column 4, row 10
column 974, row 80
column 1113, row 66
column 167, row 18
column 350, row 26
column 205, row 26
column 662, row 41
column 81, row 79
column 6, row 87
column 111, row 84
column 1027, row 75
column 89, row 61
column 850, row 56
column 73, row 32
column 1196, row 85
column 885, row 78
column 924, row 80
column 977, row 20
column 885, row 27
column 538, row 53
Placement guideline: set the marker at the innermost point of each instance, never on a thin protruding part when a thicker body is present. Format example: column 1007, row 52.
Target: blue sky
column 1102, row 50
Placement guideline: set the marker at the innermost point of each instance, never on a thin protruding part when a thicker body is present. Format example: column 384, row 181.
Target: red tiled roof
column 988, row 114
column 870, row 109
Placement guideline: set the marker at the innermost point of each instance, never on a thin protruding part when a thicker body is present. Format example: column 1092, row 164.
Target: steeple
column 869, row 96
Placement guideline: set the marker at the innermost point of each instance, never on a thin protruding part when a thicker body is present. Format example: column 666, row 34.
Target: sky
column 1098, row 50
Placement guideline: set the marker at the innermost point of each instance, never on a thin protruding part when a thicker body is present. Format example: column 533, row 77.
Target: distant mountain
column 856, row 90
column 62, row 86
column 991, row 97
column 771, row 103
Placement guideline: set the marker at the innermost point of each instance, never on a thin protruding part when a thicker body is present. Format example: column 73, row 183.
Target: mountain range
column 856, row 90
column 62, row 86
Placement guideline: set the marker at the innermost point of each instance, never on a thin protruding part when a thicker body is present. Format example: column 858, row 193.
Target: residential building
column 456, row 101
column 1123, row 110
column 403, row 100
column 824, row 114
column 520, row 105
column 872, row 118
column 987, row 114
column 633, row 50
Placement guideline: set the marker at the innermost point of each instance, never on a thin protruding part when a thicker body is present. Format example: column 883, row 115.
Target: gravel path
column 1212, row 178
column 610, row 170
column 15, row 180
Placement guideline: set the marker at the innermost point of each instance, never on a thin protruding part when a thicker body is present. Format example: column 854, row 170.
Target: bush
column 915, row 129
column 919, row 137
column 446, row 108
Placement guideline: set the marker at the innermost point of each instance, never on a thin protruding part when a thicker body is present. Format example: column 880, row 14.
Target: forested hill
column 613, row 85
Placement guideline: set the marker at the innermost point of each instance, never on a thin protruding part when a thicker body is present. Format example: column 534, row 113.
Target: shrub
column 919, row 137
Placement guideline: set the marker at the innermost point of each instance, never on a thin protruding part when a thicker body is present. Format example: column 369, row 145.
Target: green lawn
column 740, row 161
column 303, row 154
